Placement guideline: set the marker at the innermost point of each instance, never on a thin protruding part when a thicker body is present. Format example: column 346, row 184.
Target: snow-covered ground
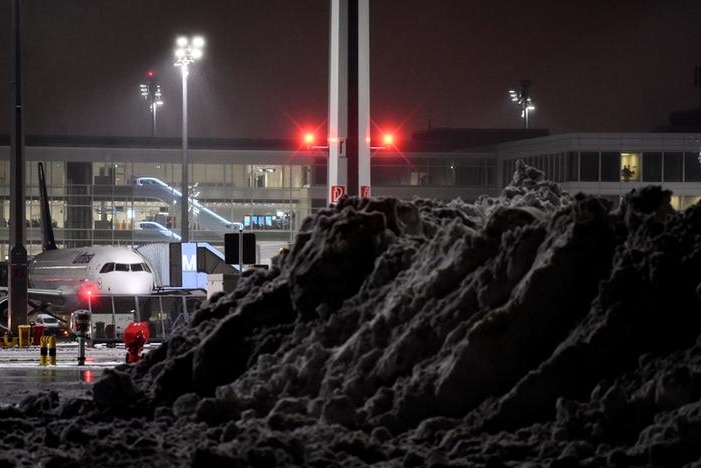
column 21, row 374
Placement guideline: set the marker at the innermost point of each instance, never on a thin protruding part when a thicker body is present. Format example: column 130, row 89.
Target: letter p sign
column 337, row 191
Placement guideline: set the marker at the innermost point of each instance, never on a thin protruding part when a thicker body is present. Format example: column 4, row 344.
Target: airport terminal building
column 611, row 164
column 122, row 191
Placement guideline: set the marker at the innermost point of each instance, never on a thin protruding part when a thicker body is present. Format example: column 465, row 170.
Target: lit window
column 630, row 167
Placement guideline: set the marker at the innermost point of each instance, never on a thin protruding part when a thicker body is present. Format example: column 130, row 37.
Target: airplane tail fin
column 47, row 229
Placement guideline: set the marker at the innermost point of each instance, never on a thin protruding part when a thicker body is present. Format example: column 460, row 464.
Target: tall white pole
column 364, row 98
column 349, row 99
column 525, row 115
column 184, row 227
column 155, row 106
column 338, row 99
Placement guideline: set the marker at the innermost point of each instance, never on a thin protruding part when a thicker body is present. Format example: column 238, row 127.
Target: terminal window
column 652, row 167
column 630, row 167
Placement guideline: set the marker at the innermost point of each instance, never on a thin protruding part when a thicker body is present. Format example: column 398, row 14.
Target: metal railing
column 164, row 312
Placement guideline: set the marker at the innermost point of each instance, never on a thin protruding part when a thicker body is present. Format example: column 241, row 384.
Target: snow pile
column 536, row 327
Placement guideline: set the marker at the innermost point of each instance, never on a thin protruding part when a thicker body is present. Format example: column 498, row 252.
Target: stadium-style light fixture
column 523, row 99
column 187, row 51
column 151, row 92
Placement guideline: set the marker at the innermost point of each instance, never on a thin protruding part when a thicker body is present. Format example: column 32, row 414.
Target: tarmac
column 21, row 373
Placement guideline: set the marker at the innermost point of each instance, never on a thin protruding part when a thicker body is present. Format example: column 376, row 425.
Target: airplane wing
column 48, row 301
column 52, row 297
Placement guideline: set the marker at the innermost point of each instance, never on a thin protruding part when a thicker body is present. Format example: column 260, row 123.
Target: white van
column 51, row 324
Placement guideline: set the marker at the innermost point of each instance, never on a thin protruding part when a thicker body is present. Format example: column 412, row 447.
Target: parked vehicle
column 52, row 326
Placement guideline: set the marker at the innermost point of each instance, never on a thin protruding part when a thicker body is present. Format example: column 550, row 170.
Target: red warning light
column 387, row 139
column 311, row 142
column 88, row 376
column 150, row 74
column 87, row 292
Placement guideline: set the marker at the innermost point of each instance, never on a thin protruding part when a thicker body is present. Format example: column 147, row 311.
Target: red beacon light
column 86, row 293
column 309, row 139
column 310, row 142
column 150, row 74
column 387, row 142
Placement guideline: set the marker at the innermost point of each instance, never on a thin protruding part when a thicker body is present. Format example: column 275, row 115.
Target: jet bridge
column 184, row 265
column 152, row 187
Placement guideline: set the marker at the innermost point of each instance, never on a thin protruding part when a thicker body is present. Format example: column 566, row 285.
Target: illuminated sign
column 337, row 191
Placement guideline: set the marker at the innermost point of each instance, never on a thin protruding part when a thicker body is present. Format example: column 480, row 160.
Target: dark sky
column 596, row 65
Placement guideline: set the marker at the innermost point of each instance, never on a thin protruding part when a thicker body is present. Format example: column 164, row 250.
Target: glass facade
column 555, row 166
column 630, row 167
column 612, row 166
column 102, row 203
column 673, row 167
column 652, row 167
column 692, row 167
column 589, row 167
column 393, row 170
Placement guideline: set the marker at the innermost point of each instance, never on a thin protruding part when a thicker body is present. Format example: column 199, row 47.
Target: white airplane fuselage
column 103, row 271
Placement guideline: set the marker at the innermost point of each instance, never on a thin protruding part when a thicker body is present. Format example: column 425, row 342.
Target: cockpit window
column 108, row 267
column 140, row 267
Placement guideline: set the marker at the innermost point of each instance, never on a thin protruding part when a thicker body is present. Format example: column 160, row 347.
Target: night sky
column 596, row 65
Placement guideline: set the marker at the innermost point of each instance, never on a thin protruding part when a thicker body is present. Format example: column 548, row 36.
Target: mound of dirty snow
column 532, row 329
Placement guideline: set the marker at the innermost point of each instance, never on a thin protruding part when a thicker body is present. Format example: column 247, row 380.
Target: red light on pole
column 86, row 293
column 150, row 74
column 387, row 142
column 310, row 142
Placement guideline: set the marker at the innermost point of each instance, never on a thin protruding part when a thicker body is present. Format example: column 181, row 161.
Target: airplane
column 63, row 280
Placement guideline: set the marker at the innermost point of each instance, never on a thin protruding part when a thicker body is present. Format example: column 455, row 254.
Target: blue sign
column 192, row 279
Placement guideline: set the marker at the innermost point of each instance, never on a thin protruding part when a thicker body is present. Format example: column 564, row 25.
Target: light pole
column 186, row 52
column 151, row 92
column 523, row 99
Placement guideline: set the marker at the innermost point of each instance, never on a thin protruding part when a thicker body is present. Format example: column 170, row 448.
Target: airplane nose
column 141, row 285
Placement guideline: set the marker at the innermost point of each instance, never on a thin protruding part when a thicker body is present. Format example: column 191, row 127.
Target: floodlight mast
column 186, row 52
column 523, row 99
column 151, row 92
column 18, row 265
